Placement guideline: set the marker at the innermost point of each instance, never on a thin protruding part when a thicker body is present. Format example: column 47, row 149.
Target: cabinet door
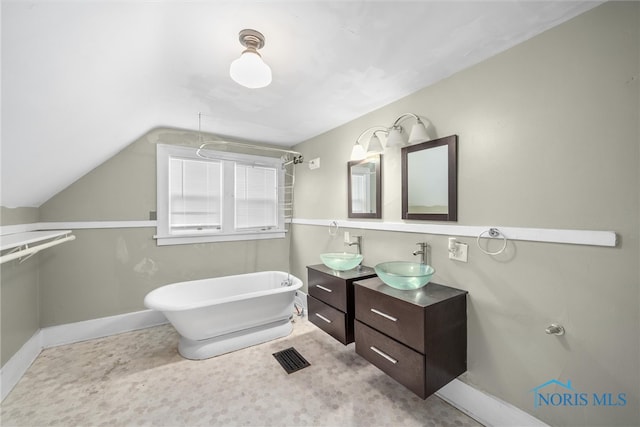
column 332, row 321
column 329, row 289
column 401, row 363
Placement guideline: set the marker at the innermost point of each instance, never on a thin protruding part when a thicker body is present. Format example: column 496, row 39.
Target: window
column 195, row 195
column 223, row 197
column 256, row 197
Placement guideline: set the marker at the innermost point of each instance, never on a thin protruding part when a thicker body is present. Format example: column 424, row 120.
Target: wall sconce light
column 395, row 136
column 250, row 70
column 374, row 146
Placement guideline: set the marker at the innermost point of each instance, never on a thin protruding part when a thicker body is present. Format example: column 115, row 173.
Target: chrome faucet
column 424, row 248
column 358, row 243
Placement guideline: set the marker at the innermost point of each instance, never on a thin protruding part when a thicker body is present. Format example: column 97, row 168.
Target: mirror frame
column 378, row 212
column 452, row 159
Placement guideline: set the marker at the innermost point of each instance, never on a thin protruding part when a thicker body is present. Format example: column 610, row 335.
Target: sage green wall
column 18, row 216
column 548, row 137
column 18, row 291
column 109, row 271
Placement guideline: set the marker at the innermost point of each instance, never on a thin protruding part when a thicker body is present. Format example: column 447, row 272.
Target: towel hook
column 333, row 228
column 555, row 329
column 493, row 233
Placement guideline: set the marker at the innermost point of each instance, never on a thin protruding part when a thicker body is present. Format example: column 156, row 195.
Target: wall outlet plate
column 314, row 163
column 461, row 252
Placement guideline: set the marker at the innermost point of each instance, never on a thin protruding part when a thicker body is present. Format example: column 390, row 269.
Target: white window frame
column 227, row 232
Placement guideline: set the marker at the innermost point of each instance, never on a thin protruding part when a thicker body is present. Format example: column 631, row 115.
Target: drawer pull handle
column 385, row 355
column 323, row 318
column 385, row 315
column 323, row 288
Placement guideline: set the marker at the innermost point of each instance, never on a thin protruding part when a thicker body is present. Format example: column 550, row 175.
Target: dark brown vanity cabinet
column 417, row 337
column 330, row 300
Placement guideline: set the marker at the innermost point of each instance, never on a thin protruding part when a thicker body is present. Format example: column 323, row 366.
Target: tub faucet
column 424, row 247
column 358, row 244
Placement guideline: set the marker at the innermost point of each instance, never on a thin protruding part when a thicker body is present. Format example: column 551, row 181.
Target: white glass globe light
column 250, row 70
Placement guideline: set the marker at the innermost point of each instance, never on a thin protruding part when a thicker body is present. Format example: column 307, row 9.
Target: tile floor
column 138, row 378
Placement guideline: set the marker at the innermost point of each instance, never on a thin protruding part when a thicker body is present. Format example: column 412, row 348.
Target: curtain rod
column 242, row 144
column 252, row 146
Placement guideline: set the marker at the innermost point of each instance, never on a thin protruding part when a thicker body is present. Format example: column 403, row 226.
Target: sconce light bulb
column 396, row 137
column 418, row 133
column 358, row 153
column 375, row 146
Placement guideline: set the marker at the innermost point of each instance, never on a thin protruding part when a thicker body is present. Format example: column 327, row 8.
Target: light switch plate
column 314, row 163
column 461, row 252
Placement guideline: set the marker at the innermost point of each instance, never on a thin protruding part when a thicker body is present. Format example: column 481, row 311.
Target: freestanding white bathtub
column 224, row 314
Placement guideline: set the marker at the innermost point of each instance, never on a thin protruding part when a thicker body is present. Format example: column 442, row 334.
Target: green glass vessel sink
column 341, row 261
column 404, row 275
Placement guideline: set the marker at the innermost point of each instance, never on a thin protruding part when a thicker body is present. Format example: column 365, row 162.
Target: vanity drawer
column 332, row 321
column 401, row 320
column 400, row 362
column 328, row 288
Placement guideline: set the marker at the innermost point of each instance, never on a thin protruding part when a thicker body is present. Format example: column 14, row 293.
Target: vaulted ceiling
column 82, row 80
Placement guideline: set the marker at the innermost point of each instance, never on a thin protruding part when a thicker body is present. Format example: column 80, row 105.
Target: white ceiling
column 83, row 79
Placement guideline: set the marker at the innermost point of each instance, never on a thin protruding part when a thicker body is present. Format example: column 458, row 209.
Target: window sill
column 209, row 238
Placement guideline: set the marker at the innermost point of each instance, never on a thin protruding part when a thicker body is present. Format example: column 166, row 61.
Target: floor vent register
column 291, row 360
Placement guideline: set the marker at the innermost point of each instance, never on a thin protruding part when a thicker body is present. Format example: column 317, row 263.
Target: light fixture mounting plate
column 251, row 39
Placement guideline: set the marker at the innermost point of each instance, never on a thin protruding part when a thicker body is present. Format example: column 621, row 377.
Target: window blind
column 256, row 197
column 195, row 195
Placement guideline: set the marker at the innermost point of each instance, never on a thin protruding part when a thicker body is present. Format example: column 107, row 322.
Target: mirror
column 365, row 183
column 429, row 180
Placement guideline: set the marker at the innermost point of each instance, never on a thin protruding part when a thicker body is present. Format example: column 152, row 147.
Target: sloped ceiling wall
column 82, row 80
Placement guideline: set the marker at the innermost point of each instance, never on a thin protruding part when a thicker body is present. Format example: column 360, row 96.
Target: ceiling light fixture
column 250, row 70
column 395, row 136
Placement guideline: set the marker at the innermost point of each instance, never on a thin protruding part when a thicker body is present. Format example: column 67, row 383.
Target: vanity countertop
column 432, row 293
column 355, row 273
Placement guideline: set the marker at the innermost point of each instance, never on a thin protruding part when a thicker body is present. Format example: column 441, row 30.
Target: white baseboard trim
column 97, row 328
column 485, row 408
column 70, row 333
column 15, row 367
column 301, row 300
